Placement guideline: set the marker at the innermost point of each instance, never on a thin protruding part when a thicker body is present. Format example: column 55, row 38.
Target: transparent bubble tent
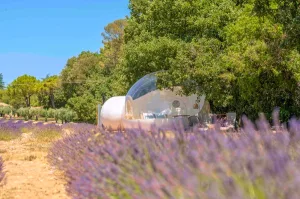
column 146, row 105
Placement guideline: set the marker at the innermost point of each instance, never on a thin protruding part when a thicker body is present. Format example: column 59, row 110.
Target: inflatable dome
column 146, row 105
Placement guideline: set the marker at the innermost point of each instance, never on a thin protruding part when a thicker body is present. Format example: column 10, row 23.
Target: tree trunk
column 27, row 102
column 52, row 99
column 103, row 98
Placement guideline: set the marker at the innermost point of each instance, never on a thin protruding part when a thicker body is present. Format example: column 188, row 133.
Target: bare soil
column 28, row 174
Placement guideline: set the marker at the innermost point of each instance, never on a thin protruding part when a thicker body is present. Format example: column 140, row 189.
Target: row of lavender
column 11, row 129
column 254, row 163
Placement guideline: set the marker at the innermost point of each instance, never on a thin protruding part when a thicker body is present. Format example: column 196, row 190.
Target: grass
column 47, row 136
column 4, row 136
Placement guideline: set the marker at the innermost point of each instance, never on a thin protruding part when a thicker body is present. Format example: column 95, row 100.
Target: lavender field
column 256, row 162
column 11, row 129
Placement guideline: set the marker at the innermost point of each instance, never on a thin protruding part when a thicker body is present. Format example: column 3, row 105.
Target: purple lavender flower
column 256, row 162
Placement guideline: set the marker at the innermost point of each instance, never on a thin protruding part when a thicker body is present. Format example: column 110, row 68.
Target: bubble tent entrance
column 145, row 105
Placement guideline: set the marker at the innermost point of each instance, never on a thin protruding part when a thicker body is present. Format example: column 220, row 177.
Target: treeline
column 62, row 115
column 243, row 54
column 87, row 80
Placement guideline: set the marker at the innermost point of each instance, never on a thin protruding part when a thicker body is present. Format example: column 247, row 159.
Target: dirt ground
column 28, row 174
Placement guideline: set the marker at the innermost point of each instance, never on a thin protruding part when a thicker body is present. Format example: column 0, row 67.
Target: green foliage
column 45, row 113
column 85, row 107
column 24, row 112
column 47, row 90
column 51, row 112
column 244, row 55
column 5, row 110
column 64, row 115
column 34, row 113
column 3, row 96
column 23, row 88
column 92, row 78
column 1, row 81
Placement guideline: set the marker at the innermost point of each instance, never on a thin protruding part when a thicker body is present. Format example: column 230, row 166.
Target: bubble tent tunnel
column 145, row 105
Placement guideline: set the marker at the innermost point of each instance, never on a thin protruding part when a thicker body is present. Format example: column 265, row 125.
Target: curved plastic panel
column 145, row 101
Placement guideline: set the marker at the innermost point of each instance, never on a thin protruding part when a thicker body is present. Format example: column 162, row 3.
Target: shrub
column 63, row 114
column 45, row 114
column 51, row 113
column 9, row 130
column 5, row 110
column 35, row 113
column 24, row 112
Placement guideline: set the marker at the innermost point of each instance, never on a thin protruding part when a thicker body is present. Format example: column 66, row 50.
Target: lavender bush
column 9, row 130
column 46, row 132
column 69, row 151
column 79, row 127
column 257, row 162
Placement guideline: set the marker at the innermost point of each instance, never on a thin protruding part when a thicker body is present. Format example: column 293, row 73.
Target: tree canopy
column 244, row 55
column 22, row 89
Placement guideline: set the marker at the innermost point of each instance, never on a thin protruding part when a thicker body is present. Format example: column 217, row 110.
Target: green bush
column 35, row 113
column 62, row 114
column 5, row 110
column 24, row 112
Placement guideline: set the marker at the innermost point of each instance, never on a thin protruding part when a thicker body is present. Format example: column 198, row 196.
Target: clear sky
column 38, row 36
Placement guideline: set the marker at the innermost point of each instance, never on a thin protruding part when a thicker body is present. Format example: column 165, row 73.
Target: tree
column 183, row 38
column 77, row 71
column 244, row 55
column 95, row 77
column 113, row 40
column 48, row 87
column 23, row 88
column 84, row 106
column 286, row 13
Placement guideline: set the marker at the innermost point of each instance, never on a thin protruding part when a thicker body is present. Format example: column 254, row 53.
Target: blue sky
column 37, row 37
